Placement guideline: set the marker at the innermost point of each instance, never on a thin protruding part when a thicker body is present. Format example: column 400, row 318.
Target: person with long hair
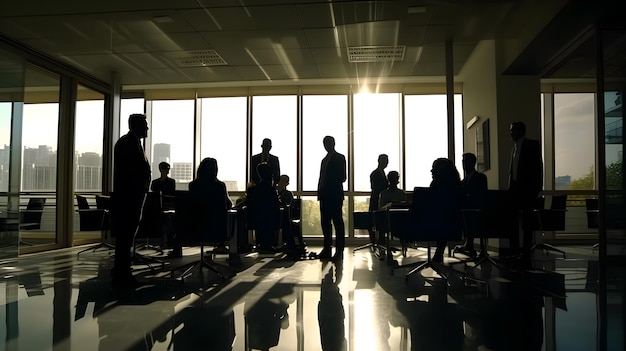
column 446, row 187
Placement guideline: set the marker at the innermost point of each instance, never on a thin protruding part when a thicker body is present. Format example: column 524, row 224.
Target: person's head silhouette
column 393, row 178
column 207, row 169
column 517, row 130
column 266, row 145
column 383, row 161
column 469, row 161
column 138, row 125
column 329, row 143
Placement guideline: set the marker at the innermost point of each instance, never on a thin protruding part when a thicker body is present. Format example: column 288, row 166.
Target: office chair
column 431, row 218
column 91, row 215
column 150, row 225
column 30, row 218
column 193, row 225
column 551, row 219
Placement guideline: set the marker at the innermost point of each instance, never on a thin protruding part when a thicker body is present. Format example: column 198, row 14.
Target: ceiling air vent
column 198, row 58
column 375, row 53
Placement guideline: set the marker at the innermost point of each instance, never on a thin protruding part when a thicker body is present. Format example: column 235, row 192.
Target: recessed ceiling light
column 198, row 58
column 162, row 19
column 416, row 9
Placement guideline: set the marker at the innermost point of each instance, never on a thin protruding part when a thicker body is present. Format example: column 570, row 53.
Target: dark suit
column 473, row 189
column 330, row 196
column 526, row 187
column 131, row 179
column 272, row 161
column 378, row 182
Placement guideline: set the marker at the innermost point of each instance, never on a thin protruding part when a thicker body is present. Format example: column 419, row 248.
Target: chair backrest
column 496, row 220
column 559, row 202
column 82, row 202
column 33, row 213
column 103, row 202
column 295, row 209
column 363, row 220
column 150, row 225
column 193, row 224
column 592, row 213
column 436, row 215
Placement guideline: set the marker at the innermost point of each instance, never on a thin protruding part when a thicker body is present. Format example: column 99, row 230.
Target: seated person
column 264, row 209
column 392, row 195
column 474, row 190
column 446, row 187
column 289, row 235
column 164, row 184
column 210, row 196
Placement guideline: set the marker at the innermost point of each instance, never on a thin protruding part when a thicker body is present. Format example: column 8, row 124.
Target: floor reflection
column 60, row 301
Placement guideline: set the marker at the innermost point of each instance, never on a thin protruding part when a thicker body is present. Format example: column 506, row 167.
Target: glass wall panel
column 172, row 131
column 574, row 141
column 88, row 140
column 127, row 108
column 6, row 108
column 275, row 117
column 311, row 225
column 39, row 157
column 322, row 115
column 426, row 134
column 223, row 136
column 377, row 130
column 11, row 102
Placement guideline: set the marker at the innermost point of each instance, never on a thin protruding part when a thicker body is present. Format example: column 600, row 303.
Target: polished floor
column 64, row 301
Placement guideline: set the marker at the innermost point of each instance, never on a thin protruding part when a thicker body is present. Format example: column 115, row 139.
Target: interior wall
column 480, row 99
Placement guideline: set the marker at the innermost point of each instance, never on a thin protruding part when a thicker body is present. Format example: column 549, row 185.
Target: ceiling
column 150, row 42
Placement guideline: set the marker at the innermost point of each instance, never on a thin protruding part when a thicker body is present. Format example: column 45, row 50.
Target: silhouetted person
column 392, row 195
column 264, row 209
column 286, row 199
column 525, row 182
column 164, row 184
column 211, row 197
column 131, row 179
column 286, row 196
column 474, row 190
column 331, row 315
column 446, row 186
column 378, row 183
column 330, row 196
column 265, row 157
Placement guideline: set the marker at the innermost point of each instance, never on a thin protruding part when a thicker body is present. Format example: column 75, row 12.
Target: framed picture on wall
column 482, row 147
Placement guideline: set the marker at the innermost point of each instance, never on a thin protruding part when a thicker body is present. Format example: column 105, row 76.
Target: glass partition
column 40, row 123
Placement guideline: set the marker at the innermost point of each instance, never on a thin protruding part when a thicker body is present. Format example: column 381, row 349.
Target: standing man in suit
column 330, row 196
column 525, row 183
column 268, row 158
column 131, row 179
column 474, row 190
column 378, row 183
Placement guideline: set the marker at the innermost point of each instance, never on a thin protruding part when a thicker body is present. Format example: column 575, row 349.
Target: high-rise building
column 88, row 174
column 39, row 168
column 5, row 153
column 182, row 171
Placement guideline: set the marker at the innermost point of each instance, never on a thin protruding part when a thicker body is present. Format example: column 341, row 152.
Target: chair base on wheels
column 97, row 247
column 547, row 247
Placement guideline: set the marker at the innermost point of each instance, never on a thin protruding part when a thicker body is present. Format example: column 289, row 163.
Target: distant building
column 39, row 170
column 562, row 182
column 88, row 174
column 5, row 153
column 182, row 172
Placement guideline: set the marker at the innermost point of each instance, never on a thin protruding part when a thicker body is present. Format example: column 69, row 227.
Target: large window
column 275, row 117
column 322, row 115
column 88, row 141
column 574, row 141
column 426, row 123
column 172, row 139
column 376, row 131
column 223, row 138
